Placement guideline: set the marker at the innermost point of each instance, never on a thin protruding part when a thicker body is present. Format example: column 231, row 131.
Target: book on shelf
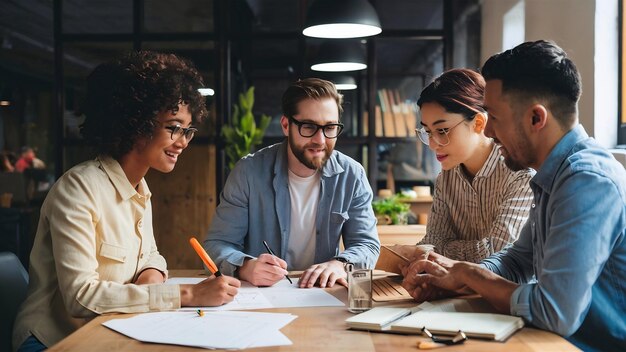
column 473, row 316
column 378, row 123
column 397, row 116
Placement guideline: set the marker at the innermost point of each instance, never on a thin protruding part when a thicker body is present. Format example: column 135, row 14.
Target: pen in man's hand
column 269, row 250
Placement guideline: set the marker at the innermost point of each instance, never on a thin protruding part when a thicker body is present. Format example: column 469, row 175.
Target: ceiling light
column 339, row 56
column 206, row 92
column 341, row 19
column 344, row 82
column 5, row 96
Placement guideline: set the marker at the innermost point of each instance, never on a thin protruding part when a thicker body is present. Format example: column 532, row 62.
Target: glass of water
column 359, row 289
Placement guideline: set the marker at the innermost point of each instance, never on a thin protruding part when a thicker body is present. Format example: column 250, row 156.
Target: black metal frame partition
column 224, row 38
column 137, row 37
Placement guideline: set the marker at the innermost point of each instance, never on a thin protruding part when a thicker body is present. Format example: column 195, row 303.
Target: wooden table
column 400, row 234
column 318, row 329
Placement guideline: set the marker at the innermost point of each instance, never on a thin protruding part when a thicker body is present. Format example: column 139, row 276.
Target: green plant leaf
column 243, row 133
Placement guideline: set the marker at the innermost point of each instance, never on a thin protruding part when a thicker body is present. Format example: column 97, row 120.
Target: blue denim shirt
column 573, row 244
column 255, row 206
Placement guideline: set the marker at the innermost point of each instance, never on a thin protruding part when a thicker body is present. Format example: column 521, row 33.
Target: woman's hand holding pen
column 265, row 270
column 214, row 291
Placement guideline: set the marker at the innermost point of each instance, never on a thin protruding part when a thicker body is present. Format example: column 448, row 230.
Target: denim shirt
column 573, row 244
column 255, row 206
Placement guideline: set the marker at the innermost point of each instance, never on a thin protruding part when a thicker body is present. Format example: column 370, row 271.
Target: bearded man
column 301, row 197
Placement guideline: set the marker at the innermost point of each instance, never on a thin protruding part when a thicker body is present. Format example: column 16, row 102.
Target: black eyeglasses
column 459, row 338
column 309, row 129
column 179, row 131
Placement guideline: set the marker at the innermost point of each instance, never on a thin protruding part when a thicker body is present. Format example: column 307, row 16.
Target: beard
column 514, row 164
column 526, row 154
column 315, row 163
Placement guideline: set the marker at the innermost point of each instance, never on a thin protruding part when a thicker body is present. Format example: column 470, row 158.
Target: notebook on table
column 474, row 317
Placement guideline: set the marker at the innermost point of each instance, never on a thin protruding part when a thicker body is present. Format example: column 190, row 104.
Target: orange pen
column 204, row 256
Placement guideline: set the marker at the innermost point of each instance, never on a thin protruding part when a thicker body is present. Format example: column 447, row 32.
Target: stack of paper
column 281, row 295
column 223, row 330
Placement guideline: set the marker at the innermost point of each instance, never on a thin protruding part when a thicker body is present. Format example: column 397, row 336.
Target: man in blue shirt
column 573, row 244
column 300, row 196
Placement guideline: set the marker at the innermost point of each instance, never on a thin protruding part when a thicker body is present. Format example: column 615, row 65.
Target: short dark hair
column 539, row 70
column 459, row 91
column 309, row 88
column 124, row 97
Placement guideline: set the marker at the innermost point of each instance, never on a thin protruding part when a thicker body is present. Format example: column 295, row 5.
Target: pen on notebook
column 204, row 256
column 269, row 250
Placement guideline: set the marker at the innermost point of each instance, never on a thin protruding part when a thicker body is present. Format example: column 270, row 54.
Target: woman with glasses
column 479, row 204
column 95, row 251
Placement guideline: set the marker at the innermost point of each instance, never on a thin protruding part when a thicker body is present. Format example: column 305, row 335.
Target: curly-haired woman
column 94, row 251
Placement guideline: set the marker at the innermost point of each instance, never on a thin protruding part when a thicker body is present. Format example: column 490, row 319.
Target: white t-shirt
column 304, row 193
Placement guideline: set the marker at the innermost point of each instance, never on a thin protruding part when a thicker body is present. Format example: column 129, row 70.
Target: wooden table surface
column 317, row 329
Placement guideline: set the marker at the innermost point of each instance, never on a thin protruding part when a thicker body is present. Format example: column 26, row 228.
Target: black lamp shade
column 341, row 19
column 340, row 56
column 344, row 82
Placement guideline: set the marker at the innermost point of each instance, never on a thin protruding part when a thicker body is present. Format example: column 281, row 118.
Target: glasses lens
column 332, row 131
column 307, row 129
column 441, row 137
column 176, row 130
column 189, row 133
column 423, row 135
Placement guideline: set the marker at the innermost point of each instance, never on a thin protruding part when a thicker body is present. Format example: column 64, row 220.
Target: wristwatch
column 344, row 261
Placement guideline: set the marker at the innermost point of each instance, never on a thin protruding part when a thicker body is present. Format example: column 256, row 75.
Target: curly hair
column 124, row 97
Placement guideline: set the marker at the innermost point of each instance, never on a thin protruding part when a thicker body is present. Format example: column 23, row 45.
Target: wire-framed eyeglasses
column 309, row 129
column 440, row 135
column 178, row 131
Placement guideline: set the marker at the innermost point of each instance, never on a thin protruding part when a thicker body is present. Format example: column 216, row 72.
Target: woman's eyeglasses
column 179, row 131
column 440, row 136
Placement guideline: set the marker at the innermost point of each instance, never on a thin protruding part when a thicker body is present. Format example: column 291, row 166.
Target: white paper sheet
column 228, row 330
column 281, row 295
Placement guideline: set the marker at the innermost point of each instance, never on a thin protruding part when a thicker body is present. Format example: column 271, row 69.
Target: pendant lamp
column 340, row 56
column 341, row 19
column 344, row 82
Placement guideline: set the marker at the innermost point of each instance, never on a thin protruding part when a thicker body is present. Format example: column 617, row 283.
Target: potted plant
column 243, row 134
column 391, row 211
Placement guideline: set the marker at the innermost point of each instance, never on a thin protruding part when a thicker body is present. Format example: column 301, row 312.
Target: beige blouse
column 471, row 220
column 94, row 238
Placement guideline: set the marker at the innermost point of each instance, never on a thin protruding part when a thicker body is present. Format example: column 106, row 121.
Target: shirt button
column 140, row 223
column 141, row 256
column 533, row 206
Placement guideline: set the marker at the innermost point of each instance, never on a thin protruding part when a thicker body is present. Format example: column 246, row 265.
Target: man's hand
column 265, row 270
column 427, row 280
column 326, row 274
column 441, row 260
column 214, row 291
column 150, row 276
